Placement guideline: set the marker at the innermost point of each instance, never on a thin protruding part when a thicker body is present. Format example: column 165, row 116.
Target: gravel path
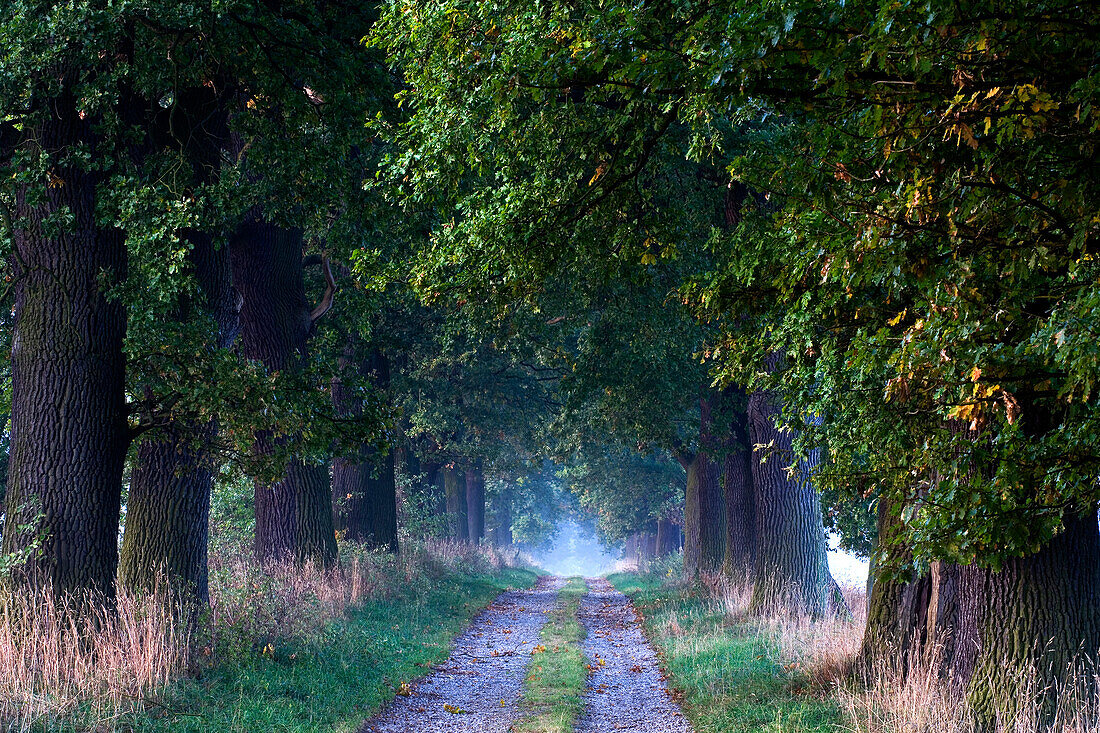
column 483, row 678
column 625, row 691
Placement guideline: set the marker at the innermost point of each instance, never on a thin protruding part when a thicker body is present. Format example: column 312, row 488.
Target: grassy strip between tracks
column 553, row 690
column 726, row 670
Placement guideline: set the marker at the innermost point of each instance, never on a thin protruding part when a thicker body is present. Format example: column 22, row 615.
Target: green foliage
column 538, row 506
column 420, row 505
column 910, row 209
column 623, row 489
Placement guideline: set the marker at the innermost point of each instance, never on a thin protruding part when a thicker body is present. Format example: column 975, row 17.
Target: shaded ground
column 625, row 690
column 478, row 688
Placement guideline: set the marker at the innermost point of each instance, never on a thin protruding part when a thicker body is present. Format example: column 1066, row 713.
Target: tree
column 65, row 465
column 363, row 485
column 608, row 189
column 168, row 502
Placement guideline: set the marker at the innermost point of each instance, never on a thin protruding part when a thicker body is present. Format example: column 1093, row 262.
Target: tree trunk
column 364, row 484
column 168, row 506
column 993, row 633
column 433, row 478
column 668, row 537
column 1036, row 617
column 167, row 515
column 475, row 503
column 454, row 488
column 502, row 513
column 293, row 515
column 704, row 534
column 740, row 499
column 905, row 614
column 69, row 433
column 791, row 573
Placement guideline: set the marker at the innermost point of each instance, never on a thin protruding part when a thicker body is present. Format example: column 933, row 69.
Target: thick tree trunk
column 454, row 488
column 703, row 532
column 475, row 504
column 905, row 614
column 791, row 573
column 1038, row 617
column 367, row 500
column 293, row 515
column 650, row 541
column 502, row 515
column 993, row 633
column 740, row 499
column 168, row 506
column 363, row 485
column 167, row 515
column 69, row 429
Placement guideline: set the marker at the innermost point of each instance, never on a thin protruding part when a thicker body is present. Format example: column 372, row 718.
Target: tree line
column 696, row 265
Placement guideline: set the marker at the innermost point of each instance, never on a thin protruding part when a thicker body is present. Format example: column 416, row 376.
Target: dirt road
column 478, row 689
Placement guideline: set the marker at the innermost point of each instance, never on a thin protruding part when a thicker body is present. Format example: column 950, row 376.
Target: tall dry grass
column 917, row 699
column 66, row 670
column 253, row 606
column 59, row 665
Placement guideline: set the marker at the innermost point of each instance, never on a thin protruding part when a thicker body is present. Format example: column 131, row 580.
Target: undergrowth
column 284, row 647
column 736, row 672
column 728, row 671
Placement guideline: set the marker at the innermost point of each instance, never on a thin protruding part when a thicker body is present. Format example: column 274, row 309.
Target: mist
column 577, row 551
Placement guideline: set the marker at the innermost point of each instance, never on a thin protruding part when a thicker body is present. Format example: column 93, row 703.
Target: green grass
column 341, row 678
column 727, row 671
column 553, row 690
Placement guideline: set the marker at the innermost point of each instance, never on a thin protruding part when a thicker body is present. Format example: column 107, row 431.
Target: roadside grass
column 286, row 648
column 553, row 690
column 729, row 672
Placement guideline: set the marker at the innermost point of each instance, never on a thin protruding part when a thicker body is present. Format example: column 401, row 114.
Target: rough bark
column 363, row 484
column 703, row 532
column 168, row 506
column 475, row 504
column 791, row 572
column 68, row 414
column 293, row 515
column 740, row 500
column 167, row 515
column 454, row 489
column 1036, row 617
column 905, row 613
column 992, row 633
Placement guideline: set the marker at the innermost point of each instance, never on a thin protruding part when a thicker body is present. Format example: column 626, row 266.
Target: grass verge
column 553, row 690
column 286, row 648
column 346, row 675
column 728, row 672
